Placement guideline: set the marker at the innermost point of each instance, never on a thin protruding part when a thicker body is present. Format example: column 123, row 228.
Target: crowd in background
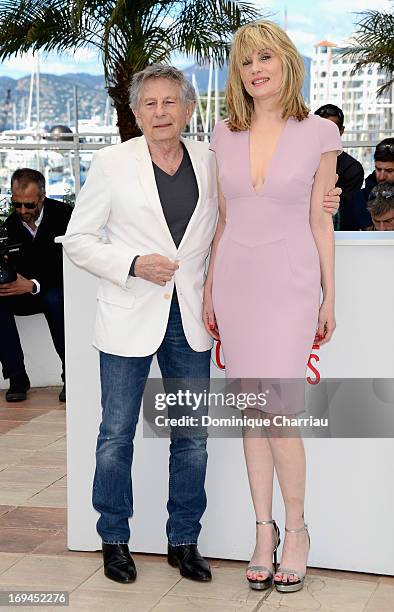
column 370, row 207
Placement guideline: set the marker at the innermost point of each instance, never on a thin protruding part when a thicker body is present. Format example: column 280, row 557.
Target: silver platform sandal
column 262, row 585
column 297, row 585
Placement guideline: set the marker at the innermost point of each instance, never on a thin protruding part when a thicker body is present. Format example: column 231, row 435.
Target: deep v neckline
column 268, row 168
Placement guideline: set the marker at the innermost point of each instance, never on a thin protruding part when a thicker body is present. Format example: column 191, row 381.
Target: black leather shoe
column 118, row 563
column 62, row 394
column 191, row 564
column 19, row 385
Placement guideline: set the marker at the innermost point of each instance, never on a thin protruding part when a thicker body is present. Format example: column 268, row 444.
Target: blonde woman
column 272, row 253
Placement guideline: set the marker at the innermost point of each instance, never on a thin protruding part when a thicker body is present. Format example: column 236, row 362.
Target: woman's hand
column 326, row 324
column 208, row 315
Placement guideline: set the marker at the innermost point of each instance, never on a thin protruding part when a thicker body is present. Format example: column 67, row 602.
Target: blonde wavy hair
column 256, row 36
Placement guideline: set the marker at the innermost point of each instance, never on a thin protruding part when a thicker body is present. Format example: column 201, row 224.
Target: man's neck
column 168, row 150
column 33, row 224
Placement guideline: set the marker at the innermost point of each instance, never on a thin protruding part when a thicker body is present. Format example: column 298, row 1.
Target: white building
column 368, row 118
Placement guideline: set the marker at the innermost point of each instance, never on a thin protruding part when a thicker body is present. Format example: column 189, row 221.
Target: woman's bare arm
column 323, row 233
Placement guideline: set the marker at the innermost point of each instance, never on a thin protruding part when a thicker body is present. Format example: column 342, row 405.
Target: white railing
column 65, row 163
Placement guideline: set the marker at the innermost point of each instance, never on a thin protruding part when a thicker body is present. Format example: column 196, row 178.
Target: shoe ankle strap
column 271, row 522
column 304, row 528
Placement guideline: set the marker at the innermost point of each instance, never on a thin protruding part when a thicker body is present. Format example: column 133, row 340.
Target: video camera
column 7, row 270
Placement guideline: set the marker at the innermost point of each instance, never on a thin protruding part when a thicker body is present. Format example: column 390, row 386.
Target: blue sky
column 308, row 22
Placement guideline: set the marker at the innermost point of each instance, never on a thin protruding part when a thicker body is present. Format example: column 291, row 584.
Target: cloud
column 349, row 6
column 304, row 41
column 299, row 19
column 83, row 61
column 83, row 55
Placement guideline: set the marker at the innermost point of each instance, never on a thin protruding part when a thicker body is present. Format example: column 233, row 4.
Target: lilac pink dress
column 266, row 278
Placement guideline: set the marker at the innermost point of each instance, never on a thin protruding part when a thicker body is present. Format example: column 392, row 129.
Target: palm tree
column 127, row 34
column 374, row 44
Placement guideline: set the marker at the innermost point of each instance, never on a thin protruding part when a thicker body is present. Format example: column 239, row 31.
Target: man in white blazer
column 143, row 223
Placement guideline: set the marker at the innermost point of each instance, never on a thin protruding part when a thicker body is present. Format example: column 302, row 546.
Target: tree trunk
column 126, row 120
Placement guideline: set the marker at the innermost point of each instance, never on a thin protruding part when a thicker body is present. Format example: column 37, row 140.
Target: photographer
column 34, row 224
column 381, row 207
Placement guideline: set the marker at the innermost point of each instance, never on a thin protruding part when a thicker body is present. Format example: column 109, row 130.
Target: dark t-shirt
column 178, row 196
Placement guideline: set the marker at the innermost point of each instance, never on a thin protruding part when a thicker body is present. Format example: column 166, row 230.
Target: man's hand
column 155, row 268
column 331, row 199
column 19, row 287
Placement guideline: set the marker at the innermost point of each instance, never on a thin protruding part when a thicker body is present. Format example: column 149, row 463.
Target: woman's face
column 261, row 74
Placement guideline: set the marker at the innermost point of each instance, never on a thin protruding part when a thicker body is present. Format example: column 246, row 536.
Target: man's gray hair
column 160, row 71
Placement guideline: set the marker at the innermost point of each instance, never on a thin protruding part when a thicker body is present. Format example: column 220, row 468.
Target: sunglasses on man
column 27, row 205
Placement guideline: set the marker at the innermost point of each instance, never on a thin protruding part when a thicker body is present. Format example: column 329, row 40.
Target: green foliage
column 127, row 34
column 374, row 44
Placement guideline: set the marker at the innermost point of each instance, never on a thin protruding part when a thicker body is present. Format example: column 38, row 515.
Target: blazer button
column 167, row 296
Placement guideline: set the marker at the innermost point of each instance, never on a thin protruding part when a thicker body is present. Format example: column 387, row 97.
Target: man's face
column 336, row 120
column 161, row 112
column 385, row 222
column 29, row 195
column 384, row 171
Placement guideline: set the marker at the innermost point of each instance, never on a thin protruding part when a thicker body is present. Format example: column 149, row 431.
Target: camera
column 7, row 270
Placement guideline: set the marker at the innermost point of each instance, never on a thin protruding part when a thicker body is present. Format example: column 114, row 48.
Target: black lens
column 28, row 205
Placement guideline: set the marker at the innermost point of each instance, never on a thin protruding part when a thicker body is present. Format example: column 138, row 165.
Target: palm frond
column 129, row 34
column 54, row 25
column 373, row 43
column 204, row 28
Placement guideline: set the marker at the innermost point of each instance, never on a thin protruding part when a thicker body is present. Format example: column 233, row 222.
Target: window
column 323, row 74
column 344, row 73
column 335, row 85
column 335, row 73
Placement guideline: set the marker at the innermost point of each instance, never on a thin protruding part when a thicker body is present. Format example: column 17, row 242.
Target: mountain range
column 57, row 96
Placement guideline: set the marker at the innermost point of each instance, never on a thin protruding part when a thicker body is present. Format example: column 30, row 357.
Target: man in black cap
column 349, row 170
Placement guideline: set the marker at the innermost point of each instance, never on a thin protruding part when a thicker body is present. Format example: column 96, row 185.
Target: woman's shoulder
column 220, row 134
column 324, row 131
column 318, row 125
column 311, row 121
column 222, row 127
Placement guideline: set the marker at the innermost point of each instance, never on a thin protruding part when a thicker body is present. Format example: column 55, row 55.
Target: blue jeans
column 123, row 381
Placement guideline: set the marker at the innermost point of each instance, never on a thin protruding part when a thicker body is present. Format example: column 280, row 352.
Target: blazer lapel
column 201, row 177
column 148, row 183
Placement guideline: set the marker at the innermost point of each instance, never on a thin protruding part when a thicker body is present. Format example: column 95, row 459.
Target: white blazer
column 118, row 215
